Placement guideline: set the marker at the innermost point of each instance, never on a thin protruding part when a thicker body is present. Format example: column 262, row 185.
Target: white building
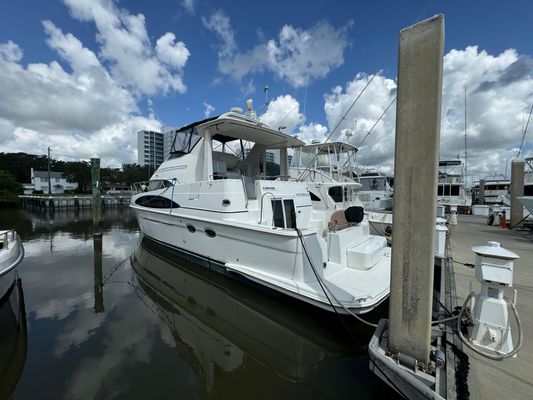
column 39, row 181
column 154, row 147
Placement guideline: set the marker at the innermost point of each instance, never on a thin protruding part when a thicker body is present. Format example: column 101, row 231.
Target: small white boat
column 215, row 201
column 11, row 254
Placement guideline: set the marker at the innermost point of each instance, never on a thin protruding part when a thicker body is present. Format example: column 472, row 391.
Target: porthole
column 191, row 228
column 226, row 202
column 210, row 232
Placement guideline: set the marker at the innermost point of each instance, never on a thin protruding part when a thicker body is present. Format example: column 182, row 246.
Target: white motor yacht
column 451, row 191
column 214, row 201
column 11, row 254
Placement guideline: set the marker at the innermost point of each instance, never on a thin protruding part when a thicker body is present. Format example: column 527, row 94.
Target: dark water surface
column 119, row 317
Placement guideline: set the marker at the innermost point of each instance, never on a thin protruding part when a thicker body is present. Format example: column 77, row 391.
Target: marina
column 318, row 243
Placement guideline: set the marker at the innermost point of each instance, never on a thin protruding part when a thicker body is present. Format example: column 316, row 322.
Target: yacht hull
column 271, row 258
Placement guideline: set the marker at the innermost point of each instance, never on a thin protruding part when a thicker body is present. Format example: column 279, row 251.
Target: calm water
column 122, row 318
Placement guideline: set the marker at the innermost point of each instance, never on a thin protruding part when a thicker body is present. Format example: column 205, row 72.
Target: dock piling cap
column 493, row 249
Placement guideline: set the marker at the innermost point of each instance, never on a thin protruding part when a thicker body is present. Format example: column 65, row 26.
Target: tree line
column 16, row 170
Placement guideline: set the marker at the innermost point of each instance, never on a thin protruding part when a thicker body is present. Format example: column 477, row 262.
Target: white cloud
column 189, row 5
column 10, row 51
column 125, row 44
column 499, row 91
column 284, row 111
column 208, row 109
column 311, row 132
column 115, row 143
column 219, row 23
column 46, row 98
column 298, row 56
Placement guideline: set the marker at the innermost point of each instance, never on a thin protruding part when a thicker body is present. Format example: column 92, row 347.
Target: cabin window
column 210, row 232
column 156, row 202
column 335, row 193
column 528, row 190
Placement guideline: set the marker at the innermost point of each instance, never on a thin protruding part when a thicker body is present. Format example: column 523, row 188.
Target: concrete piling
column 416, row 171
column 482, row 191
column 517, row 190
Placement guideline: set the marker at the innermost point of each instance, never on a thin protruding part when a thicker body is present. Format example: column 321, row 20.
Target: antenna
column 265, row 90
column 525, row 131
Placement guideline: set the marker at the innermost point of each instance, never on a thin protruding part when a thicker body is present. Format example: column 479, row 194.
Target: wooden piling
column 97, row 196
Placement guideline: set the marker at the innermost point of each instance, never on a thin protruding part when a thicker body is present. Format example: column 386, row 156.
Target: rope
column 121, row 201
column 379, row 119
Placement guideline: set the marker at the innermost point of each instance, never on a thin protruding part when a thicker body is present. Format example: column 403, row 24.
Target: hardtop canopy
column 232, row 126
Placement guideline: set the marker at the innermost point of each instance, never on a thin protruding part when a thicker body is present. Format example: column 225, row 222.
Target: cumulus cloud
column 297, row 56
column 125, row 44
column 115, row 143
column 283, row 112
column 85, row 103
column 46, row 97
column 499, row 91
column 208, row 109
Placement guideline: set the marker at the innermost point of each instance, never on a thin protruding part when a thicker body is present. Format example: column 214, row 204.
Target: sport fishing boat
column 215, row 201
column 11, row 254
column 323, row 166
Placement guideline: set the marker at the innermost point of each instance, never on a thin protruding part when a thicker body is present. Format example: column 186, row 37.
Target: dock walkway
column 511, row 378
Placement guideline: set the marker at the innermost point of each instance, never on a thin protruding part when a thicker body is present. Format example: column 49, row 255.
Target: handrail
column 19, row 258
column 245, row 192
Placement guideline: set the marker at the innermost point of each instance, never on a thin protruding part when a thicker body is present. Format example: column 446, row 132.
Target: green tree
column 80, row 172
column 134, row 173
column 9, row 189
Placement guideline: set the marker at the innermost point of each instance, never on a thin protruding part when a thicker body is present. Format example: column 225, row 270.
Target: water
column 119, row 317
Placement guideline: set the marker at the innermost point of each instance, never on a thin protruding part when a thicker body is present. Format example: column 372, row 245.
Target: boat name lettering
column 269, row 188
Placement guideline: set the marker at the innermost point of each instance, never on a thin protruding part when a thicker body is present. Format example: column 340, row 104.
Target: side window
column 277, row 213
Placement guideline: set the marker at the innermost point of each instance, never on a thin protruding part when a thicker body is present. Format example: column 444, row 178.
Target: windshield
column 374, row 183
column 184, row 141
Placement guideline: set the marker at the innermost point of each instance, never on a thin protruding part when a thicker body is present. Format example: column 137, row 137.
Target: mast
column 466, row 161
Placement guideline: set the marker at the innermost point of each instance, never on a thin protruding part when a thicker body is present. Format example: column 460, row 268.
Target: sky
column 83, row 76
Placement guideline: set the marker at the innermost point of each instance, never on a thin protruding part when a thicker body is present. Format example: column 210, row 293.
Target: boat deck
column 511, row 378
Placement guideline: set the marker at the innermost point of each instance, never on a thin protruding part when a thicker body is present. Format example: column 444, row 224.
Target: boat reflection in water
column 13, row 338
column 243, row 343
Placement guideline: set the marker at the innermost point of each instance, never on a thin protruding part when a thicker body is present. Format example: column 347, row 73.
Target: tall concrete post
column 97, row 195
column 415, row 187
column 517, row 190
column 482, row 191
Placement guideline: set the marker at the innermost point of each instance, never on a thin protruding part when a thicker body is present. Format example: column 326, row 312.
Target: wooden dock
column 44, row 202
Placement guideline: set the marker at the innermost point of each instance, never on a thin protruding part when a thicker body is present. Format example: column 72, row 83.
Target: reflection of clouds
column 127, row 339
column 62, row 243
column 60, row 282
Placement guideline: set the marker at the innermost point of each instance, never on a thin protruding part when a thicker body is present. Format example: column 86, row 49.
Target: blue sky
column 216, row 54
